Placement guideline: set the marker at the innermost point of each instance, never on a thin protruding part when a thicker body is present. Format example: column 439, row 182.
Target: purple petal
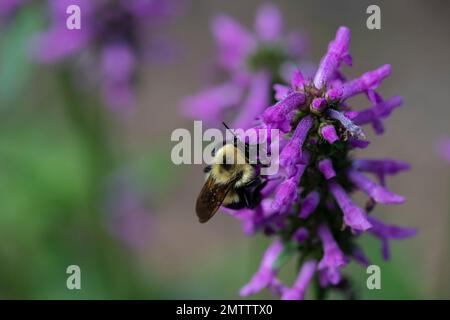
column 328, row 132
column 389, row 231
column 301, row 235
column 266, row 273
column 269, row 23
column 337, row 52
column 292, row 154
column 286, row 195
column 281, row 91
column 318, row 105
column 277, row 116
column 354, row 216
column 298, row 290
column 309, row 204
column 368, row 81
column 378, row 112
column 259, row 281
column 376, row 192
column 297, row 80
column 386, row 232
column 326, row 167
column 381, row 167
column 333, row 256
column 356, row 143
column 329, row 276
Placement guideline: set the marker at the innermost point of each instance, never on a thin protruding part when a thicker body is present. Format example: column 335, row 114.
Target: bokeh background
column 125, row 215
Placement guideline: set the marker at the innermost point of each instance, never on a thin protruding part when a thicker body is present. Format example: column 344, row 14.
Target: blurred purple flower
column 250, row 63
column 117, row 35
column 128, row 218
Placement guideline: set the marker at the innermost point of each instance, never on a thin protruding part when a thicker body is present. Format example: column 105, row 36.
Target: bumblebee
column 231, row 181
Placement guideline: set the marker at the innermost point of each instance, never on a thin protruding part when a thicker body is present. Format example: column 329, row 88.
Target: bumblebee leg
column 246, row 197
column 257, row 183
column 261, row 186
column 207, row 169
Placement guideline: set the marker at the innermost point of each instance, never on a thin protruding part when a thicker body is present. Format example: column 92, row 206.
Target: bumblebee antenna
column 228, row 128
column 225, row 125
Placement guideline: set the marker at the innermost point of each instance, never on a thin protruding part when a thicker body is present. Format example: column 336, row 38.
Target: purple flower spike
column 337, row 52
column 326, row 167
column 354, row 216
column 328, row 132
column 298, row 290
column 266, row 273
column 269, row 23
column 318, row 105
column 333, row 257
column 292, row 154
column 309, row 204
column 368, row 81
column 376, row 192
column 386, row 232
column 277, row 116
column 301, row 235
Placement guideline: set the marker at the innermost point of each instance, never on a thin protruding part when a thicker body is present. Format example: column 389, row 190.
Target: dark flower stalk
column 307, row 205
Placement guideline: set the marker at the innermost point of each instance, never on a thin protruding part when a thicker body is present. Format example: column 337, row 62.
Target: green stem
column 320, row 292
column 89, row 123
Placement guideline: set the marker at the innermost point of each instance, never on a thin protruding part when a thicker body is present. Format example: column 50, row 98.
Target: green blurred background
column 95, row 190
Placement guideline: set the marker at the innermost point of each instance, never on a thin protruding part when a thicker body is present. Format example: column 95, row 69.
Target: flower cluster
column 114, row 37
column 307, row 204
column 250, row 63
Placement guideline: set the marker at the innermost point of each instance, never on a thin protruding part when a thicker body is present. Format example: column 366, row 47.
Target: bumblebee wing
column 210, row 198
